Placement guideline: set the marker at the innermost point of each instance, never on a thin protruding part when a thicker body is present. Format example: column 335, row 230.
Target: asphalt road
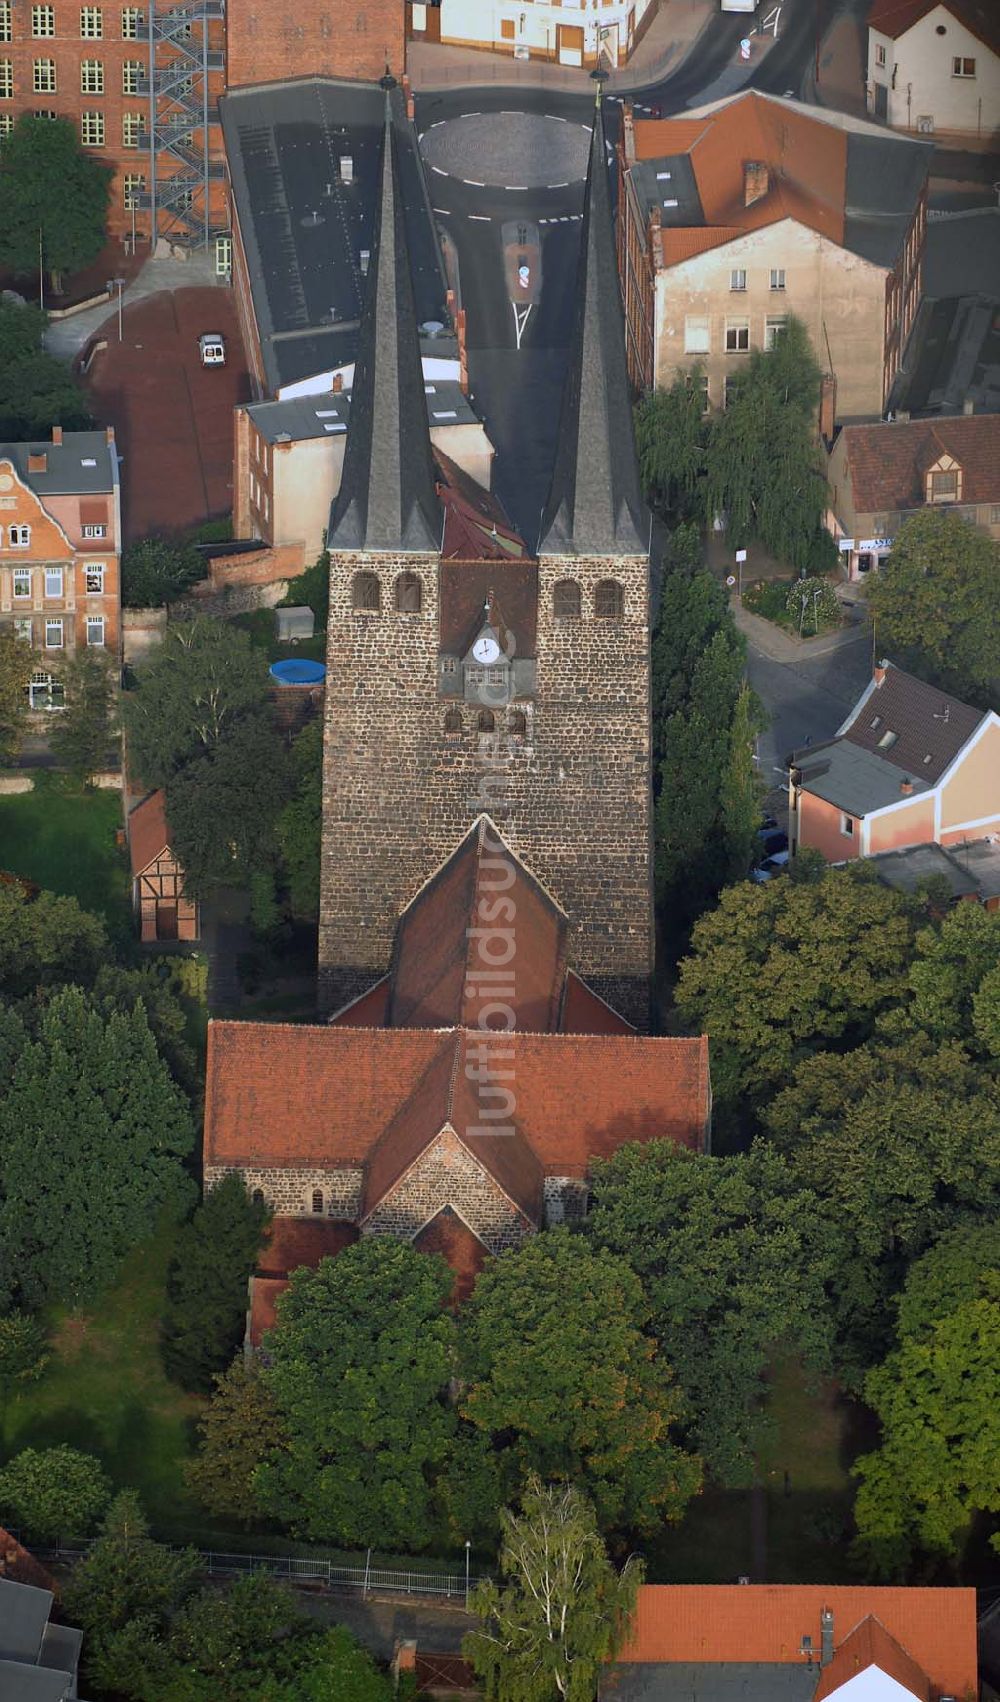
column 808, row 699
column 380, row 1625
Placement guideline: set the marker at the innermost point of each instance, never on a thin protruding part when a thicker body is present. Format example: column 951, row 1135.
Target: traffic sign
column 741, row 555
column 730, row 579
column 745, row 48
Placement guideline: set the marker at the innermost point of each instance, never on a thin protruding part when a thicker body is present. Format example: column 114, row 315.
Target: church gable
column 447, row 1174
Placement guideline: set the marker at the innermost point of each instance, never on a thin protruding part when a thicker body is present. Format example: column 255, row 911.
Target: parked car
column 212, row 348
column 774, row 842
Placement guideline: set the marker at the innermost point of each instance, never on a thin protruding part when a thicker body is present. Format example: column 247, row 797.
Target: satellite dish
column 432, row 328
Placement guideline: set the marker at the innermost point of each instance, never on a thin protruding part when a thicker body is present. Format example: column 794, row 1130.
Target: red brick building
column 266, row 43
column 137, row 83
column 456, row 1104
column 60, row 544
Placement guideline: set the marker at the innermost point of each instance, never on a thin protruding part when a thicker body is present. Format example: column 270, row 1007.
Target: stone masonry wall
column 448, row 1175
column 289, row 1192
column 573, row 798
column 565, row 1200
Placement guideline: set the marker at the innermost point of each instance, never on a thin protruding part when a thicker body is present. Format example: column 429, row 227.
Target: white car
column 212, row 348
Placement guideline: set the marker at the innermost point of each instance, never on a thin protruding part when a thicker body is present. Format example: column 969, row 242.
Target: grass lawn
column 63, row 838
column 261, row 627
column 104, row 1390
column 808, row 1515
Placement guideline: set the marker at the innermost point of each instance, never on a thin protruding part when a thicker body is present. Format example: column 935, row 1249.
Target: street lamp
column 468, row 1546
column 119, row 285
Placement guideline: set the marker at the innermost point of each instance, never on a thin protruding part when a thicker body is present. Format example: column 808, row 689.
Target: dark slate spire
column 386, row 500
column 594, row 505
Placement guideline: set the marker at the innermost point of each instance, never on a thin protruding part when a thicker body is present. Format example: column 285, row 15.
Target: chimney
column 38, row 461
column 57, row 435
column 969, row 405
column 826, row 1636
column 338, row 383
column 109, row 434
column 879, row 670
column 906, row 787
column 827, row 406
column 755, row 181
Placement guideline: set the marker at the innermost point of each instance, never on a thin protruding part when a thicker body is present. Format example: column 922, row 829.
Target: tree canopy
column 17, row 661
column 223, row 806
column 92, row 1133
column 560, row 1611
column 300, row 823
column 359, row 1365
column 734, row 1255
column 564, row 1379
column 237, row 1431
column 934, row 604
column 214, row 1255
column 670, row 433
column 82, row 736
column 53, row 198
column 196, row 686
column 53, row 1492
column 45, row 940
column 779, row 970
column 159, row 570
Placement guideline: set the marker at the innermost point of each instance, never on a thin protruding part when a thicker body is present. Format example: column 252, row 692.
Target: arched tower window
column 566, row 600
column 487, row 721
column 609, row 600
column 453, row 724
column 317, row 1199
column 258, row 1196
column 366, row 593
column 409, row 594
column 517, row 724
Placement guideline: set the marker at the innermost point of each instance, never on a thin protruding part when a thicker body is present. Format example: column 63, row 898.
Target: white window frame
column 131, row 129
column 93, row 130
column 54, row 576
column 24, row 628
column 133, row 186
column 6, row 123
column 846, row 825
column 958, row 64
column 130, row 22
column 92, row 76
column 95, row 624
column 54, row 633
column 6, row 79
column 6, row 29
column 738, row 280
column 22, row 573
column 43, row 77
column 93, row 570
column 95, row 529
column 880, row 54
column 91, row 23
column 775, row 326
column 132, row 70
column 737, row 329
column 19, row 536
column 697, row 334
column 223, row 256
column 43, row 23
column 777, row 277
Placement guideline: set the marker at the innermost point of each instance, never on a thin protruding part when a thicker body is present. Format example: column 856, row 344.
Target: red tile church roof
column 870, row 1644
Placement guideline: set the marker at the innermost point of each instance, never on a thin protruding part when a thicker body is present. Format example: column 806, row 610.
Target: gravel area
column 524, row 150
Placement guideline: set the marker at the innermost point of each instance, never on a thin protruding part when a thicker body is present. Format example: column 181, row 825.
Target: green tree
column 300, row 823
column 223, row 807
column 37, row 391
column 670, row 433
column 814, row 604
column 23, row 1355
column 53, row 199
column 46, row 940
column 223, row 1635
column 359, row 1365
column 159, row 570
column 934, row 606
column 939, row 1460
column 16, row 663
column 741, row 791
column 237, row 1431
column 963, row 1264
column 152, row 984
column 92, row 1132
column 53, row 1492
column 561, row 1610
column 311, row 590
column 901, row 1142
column 205, row 1312
column 564, row 1379
column 82, row 736
column 733, row 1254
column 327, row 1666
column 198, row 684
column 763, row 468
column 779, row 970
column 952, row 961
column 986, row 1014
column 125, row 1576
column 22, row 327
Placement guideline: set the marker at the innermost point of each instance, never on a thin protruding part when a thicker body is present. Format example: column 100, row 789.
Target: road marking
column 441, row 210
column 520, row 319
column 480, row 218
column 437, row 124
column 557, row 185
column 557, row 120
column 440, row 173
column 518, row 186
column 473, row 183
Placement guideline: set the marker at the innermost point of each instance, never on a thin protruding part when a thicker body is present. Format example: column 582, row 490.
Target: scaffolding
column 182, row 112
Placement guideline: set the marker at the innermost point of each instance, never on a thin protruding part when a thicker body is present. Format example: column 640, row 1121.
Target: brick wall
column 314, row 38
column 448, row 1175
column 573, row 798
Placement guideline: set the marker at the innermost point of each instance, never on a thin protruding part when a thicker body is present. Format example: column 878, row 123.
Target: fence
column 304, row 1570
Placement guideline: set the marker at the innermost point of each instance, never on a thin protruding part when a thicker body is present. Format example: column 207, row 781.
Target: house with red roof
column 164, row 910
column 881, row 474
column 797, row 1643
column 458, row 1103
column 934, row 67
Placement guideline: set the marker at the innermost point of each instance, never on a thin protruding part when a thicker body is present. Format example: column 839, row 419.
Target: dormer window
column 887, row 740
column 944, row 481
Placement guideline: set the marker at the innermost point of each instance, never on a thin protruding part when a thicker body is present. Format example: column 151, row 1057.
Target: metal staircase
column 183, row 110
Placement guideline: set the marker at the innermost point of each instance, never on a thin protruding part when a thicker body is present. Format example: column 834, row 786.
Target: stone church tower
column 473, row 680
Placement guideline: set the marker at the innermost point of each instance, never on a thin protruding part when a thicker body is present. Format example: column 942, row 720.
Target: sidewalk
column 771, row 641
column 66, row 337
column 842, row 66
column 668, row 40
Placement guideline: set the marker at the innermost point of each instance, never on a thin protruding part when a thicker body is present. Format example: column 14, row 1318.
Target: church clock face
column 486, row 650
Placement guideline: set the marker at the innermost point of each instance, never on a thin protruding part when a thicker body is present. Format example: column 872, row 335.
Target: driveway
column 808, row 694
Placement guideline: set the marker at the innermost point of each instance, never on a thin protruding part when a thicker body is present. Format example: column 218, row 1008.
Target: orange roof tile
column 585, row 1012
column 887, row 462
column 148, row 833
column 657, row 137
column 293, row 1241
column 870, row 1644
column 367, row 1011
column 682, row 242
column 894, row 17
column 766, row 1622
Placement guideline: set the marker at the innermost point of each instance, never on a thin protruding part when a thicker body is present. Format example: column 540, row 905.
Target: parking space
column 172, row 415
